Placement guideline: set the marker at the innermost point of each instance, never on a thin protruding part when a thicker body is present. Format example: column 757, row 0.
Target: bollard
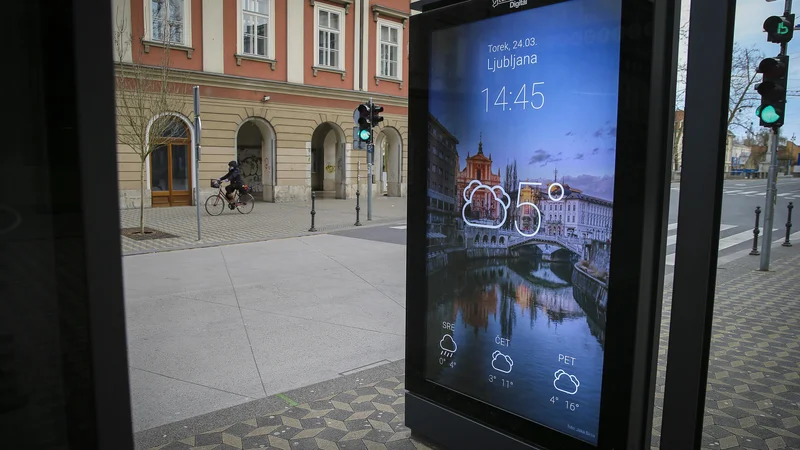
column 358, row 208
column 786, row 243
column 313, row 212
column 755, row 233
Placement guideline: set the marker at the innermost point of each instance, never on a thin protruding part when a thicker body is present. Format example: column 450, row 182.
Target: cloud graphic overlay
column 448, row 344
column 566, row 383
column 502, row 363
column 498, row 193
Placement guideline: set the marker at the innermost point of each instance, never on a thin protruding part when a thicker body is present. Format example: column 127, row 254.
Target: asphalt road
column 740, row 198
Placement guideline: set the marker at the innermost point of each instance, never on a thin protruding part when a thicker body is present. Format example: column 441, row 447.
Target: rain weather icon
column 501, row 363
column 566, row 383
column 448, row 345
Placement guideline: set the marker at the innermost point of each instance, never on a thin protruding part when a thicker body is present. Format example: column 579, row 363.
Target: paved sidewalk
column 216, row 327
column 266, row 221
column 363, row 411
column 753, row 397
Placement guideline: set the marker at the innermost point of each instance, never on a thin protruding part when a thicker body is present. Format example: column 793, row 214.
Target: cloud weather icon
column 498, row 193
column 501, row 363
column 566, row 383
column 448, row 345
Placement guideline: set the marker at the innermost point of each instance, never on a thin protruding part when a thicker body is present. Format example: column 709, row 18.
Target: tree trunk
column 141, row 202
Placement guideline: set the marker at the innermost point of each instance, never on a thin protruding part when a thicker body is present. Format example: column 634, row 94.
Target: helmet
column 234, row 163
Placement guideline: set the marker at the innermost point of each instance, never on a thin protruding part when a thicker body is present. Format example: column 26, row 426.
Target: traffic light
column 773, row 91
column 780, row 29
column 361, row 117
column 376, row 118
column 367, row 116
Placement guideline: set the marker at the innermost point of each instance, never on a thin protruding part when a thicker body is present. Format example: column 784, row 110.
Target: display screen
column 521, row 156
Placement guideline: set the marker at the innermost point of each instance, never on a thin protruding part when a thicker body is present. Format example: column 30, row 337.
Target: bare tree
column 147, row 96
column 744, row 76
column 742, row 96
column 680, row 90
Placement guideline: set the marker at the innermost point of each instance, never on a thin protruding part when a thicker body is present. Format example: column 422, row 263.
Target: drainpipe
column 361, row 46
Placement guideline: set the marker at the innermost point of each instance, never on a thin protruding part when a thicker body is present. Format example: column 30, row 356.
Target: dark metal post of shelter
column 709, row 69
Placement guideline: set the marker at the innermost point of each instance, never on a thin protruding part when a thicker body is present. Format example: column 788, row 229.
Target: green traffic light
column 768, row 114
column 782, row 28
column 364, row 135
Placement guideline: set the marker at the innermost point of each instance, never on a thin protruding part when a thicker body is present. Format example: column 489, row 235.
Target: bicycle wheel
column 215, row 205
column 245, row 204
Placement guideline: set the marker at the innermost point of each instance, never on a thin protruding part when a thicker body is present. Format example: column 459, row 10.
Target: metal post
column 313, row 211
column 772, row 176
column 755, row 233
column 370, row 159
column 786, row 243
column 358, row 195
column 769, row 207
column 197, row 131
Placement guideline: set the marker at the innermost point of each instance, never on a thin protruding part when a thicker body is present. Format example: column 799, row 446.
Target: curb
column 320, row 231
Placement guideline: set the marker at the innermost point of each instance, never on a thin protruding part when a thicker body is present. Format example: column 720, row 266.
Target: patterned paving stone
column 752, row 402
column 266, row 221
column 753, row 394
column 362, row 419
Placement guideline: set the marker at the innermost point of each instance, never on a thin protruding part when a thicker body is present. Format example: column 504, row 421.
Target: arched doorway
column 255, row 151
column 170, row 162
column 388, row 162
column 328, row 163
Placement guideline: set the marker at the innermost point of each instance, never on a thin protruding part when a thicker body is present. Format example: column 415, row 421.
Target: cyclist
column 234, row 176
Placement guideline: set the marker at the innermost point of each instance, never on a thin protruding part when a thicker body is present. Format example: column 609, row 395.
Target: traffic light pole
column 370, row 160
column 769, row 207
column 772, row 175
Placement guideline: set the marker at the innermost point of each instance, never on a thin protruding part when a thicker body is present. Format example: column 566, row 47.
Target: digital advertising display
column 522, row 139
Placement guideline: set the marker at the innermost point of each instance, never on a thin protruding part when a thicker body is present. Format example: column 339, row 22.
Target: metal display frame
column 648, row 56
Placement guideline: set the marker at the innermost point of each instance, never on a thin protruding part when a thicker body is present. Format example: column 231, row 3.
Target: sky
column 573, row 129
column 748, row 32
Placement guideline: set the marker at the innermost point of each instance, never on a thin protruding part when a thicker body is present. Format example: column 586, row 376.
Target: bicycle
column 215, row 204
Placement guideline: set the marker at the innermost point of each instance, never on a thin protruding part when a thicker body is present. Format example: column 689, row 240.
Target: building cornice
column 280, row 87
column 344, row 3
column 379, row 10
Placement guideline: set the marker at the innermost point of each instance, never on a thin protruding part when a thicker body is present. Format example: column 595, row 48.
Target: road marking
column 747, row 193
column 402, row 227
column 672, row 226
column 785, row 194
column 746, row 252
column 732, row 192
column 724, row 243
column 673, row 238
column 740, row 184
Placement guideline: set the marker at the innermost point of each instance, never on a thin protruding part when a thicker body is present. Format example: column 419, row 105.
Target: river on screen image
column 511, row 332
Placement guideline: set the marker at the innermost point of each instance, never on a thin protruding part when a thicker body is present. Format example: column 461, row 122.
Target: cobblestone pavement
column 753, row 394
column 370, row 417
column 266, row 221
column 753, row 399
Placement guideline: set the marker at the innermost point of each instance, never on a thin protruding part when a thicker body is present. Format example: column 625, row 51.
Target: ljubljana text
column 511, row 61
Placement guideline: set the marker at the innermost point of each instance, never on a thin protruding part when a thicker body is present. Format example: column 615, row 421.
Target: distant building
column 576, row 214
column 479, row 167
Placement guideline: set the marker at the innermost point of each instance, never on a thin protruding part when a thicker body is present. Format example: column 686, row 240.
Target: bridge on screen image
column 506, row 241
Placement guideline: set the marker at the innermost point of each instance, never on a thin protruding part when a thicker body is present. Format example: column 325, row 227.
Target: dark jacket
column 234, row 175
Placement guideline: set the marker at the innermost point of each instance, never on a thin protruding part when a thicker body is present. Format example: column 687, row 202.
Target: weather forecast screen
column 521, row 157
